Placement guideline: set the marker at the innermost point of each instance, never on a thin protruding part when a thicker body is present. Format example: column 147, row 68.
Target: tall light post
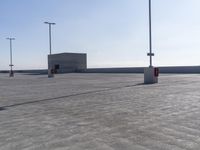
column 150, row 54
column 50, row 68
column 50, row 24
column 11, row 63
column 150, row 73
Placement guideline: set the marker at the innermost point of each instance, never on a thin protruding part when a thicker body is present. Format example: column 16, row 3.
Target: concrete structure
column 167, row 69
column 180, row 69
column 116, row 70
column 150, row 75
column 67, row 62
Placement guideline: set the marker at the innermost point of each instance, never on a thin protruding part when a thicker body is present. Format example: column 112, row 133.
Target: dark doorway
column 57, row 67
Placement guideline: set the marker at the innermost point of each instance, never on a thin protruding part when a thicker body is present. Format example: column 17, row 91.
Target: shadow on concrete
column 2, row 108
column 34, row 74
column 67, row 96
column 139, row 84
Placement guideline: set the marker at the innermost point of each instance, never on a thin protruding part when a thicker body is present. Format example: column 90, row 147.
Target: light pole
column 150, row 73
column 150, row 54
column 50, row 24
column 11, row 64
column 50, row 68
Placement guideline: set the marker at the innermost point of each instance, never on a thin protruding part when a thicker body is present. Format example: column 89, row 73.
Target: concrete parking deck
column 99, row 112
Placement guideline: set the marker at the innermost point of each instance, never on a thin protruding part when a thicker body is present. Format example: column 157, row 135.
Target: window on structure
column 57, row 66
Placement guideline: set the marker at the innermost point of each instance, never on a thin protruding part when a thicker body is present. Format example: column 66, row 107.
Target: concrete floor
column 99, row 112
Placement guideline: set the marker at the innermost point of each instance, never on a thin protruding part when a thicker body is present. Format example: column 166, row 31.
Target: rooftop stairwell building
column 67, row 62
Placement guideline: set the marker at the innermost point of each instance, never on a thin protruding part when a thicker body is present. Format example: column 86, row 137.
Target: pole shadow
column 66, row 96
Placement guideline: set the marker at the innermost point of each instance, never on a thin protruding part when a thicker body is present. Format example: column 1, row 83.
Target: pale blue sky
column 113, row 33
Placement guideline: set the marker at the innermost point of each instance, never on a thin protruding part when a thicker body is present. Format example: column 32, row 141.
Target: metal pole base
column 50, row 73
column 150, row 75
column 11, row 74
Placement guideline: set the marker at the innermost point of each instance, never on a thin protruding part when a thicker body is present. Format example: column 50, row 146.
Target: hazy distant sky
column 113, row 33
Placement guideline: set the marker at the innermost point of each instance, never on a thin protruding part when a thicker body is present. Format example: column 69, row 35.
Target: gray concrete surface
column 99, row 112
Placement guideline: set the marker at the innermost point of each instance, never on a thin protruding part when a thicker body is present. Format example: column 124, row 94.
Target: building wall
column 68, row 62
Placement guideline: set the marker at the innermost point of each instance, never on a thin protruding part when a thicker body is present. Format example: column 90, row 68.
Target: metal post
column 50, row 39
column 50, row 69
column 150, row 73
column 150, row 54
column 11, row 53
column 49, row 23
column 11, row 62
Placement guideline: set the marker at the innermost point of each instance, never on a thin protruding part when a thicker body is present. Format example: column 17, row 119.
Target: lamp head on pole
column 10, row 38
column 50, row 23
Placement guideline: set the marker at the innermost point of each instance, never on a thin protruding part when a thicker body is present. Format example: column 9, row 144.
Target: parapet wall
column 176, row 69
column 180, row 69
